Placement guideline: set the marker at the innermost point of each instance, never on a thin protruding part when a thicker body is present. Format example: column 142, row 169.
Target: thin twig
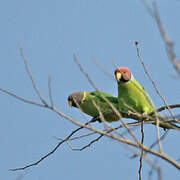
column 150, row 173
column 31, row 77
column 54, row 149
column 108, row 127
column 96, row 139
column 100, row 114
column 50, row 92
column 93, row 141
column 86, row 146
column 77, row 137
column 157, row 168
column 156, row 142
column 160, row 139
column 146, row 5
column 21, row 98
column 100, row 66
column 158, row 92
column 141, row 156
column 150, row 78
column 150, row 162
column 168, row 43
column 166, row 107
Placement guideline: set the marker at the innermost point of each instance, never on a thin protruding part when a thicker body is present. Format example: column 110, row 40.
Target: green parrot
column 87, row 100
column 133, row 97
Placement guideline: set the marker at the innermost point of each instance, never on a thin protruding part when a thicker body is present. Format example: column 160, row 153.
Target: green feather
column 133, row 97
column 87, row 100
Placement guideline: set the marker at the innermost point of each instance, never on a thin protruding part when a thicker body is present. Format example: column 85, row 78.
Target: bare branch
column 168, row 43
column 158, row 92
column 160, row 139
column 100, row 66
column 21, row 98
column 150, row 162
column 157, row 168
column 50, row 92
column 166, row 107
column 151, row 171
column 96, row 139
column 54, row 149
column 141, row 156
column 88, row 145
column 150, row 78
column 77, row 137
column 31, row 77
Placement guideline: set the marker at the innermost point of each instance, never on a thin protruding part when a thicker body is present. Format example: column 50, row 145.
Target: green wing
column 132, row 96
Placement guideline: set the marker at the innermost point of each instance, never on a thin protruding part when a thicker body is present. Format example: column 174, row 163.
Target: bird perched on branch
column 92, row 103
column 133, row 97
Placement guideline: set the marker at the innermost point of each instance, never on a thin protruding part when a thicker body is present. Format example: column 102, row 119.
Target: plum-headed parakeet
column 87, row 102
column 133, row 97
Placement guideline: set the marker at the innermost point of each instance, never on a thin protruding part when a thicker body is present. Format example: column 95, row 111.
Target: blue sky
column 50, row 32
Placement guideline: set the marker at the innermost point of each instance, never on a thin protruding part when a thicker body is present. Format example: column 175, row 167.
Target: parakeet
column 86, row 102
column 133, row 97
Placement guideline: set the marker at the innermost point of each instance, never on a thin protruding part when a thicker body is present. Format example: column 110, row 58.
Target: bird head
column 75, row 99
column 123, row 74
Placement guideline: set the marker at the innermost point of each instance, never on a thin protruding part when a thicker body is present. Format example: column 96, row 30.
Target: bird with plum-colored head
column 133, row 97
column 131, row 94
